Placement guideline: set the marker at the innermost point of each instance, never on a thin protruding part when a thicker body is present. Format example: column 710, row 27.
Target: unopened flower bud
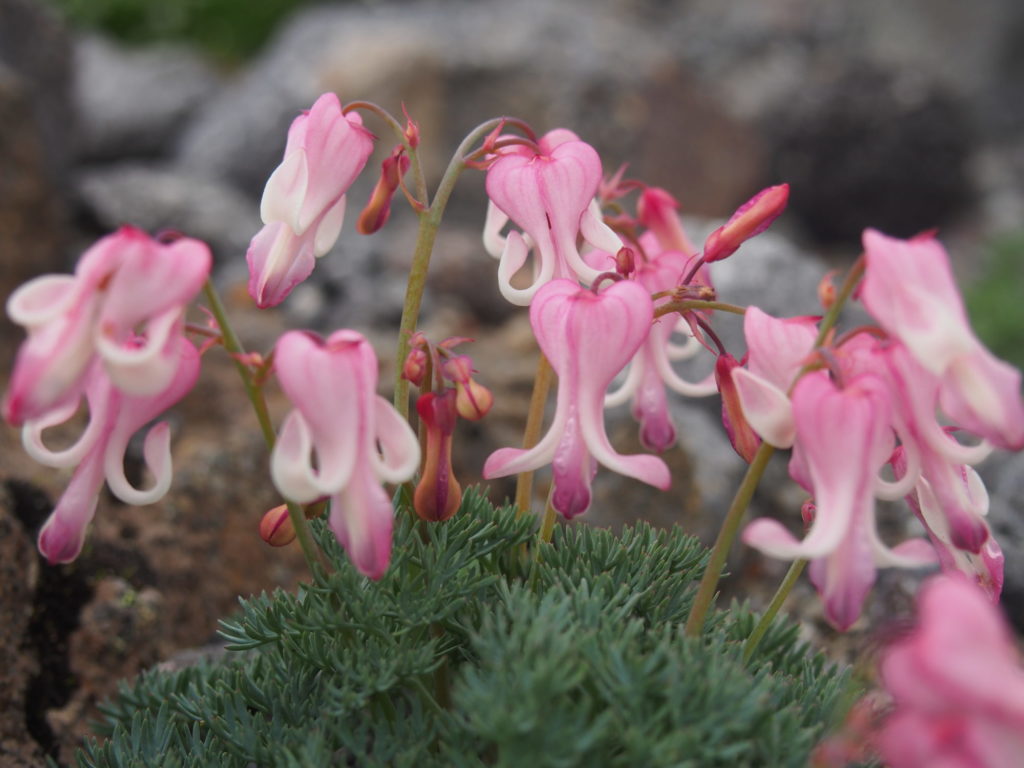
column 742, row 436
column 415, row 367
column 625, row 262
column 438, row 494
column 827, row 290
column 807, row 512
column 276, row 527
column 751, row 218
column 377, row 211
column 473, row 400
column 656, row 210
column 412, row 130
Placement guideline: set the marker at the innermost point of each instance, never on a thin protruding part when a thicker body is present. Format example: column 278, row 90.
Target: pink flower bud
column 378, row 210
column 743, row 438
column 276, row 527
column 751, row 218
column 625, row 262
column 438, row 494
column 473, row 400
column 656, row 210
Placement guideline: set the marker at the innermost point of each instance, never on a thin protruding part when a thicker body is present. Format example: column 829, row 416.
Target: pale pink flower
column 985, row 566
column 588, row 337
column 842, row 439
column 124, row 304
column 303, row 204
column 776, row 351
column 956, row 683
column 341, row 441
column 550, row 196
column 98, row 455
column 909, row 289
column 650, row 371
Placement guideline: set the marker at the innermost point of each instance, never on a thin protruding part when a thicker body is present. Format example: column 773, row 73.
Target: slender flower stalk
column 731, row 525
column 788, row 582
column 534, row 421
column 430, row 220
column 259, row 405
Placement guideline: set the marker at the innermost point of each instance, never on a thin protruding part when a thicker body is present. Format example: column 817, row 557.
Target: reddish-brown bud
column 827, row 290
column 742, row 436
column 473, row 400
column 377, row 211
column 751, row 218
column 625, row 262
column 276, row 527
column 412, row 129
column 438, row 494
column 807, row 512
column 415, row 367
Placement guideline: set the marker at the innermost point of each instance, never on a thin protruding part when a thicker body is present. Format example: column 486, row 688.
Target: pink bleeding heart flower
column 776, row 351
column 984, row 567
column 98, row 455
column 842, row 439
column 549, row 195
column 909, row 289
column 956, row 683
column 588, row 337
column 124, row 303
column 303, row 204
column 650, row 370
column 341, row 441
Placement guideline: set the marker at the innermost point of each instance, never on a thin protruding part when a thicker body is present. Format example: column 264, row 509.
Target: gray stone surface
column 156, row 197
column 133, row 102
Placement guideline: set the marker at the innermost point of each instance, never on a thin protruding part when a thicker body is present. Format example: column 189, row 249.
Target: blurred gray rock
column 133, row 102
column 36, row 48
column 155, row 198
column 554, row 64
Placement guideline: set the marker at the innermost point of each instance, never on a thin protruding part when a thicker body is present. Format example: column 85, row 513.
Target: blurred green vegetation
column 995, row 301
column 229, row 30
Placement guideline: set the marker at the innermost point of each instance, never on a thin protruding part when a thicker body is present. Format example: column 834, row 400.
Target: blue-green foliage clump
column 473, row 652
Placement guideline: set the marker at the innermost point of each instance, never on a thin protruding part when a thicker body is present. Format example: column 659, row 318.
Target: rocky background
column 901, row 116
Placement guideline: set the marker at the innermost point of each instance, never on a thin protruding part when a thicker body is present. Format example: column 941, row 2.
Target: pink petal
column 778, row 348
column 767, row 408
column 400, row 448
column 362, row 518
column 61, row 538
column 278, row 261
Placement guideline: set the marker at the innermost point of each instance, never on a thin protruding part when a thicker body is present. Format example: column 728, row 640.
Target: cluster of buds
column 447, row 391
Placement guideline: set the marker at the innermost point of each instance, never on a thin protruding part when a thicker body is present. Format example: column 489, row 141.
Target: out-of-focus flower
column 956, row 683
column 303, row 204
column 588, row 337
column 341, row 440
column 549, row 195
column 124, row 304
column 909, row 289
column 114, row 417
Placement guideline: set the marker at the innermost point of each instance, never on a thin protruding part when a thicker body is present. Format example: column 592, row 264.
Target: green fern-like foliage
column 478, row 649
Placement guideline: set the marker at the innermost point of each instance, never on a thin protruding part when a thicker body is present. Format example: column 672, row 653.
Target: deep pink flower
column 909, row 289
column 114, row 416
column 341, row 440
column 956, row 683
column 124, row 303
column 303, row 204
column 588, row 337
column 842, row 439
column 550, row 196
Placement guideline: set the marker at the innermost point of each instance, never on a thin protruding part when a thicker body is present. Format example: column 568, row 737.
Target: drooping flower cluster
column 868, row 391
column 548, row 190
column 113, row 333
